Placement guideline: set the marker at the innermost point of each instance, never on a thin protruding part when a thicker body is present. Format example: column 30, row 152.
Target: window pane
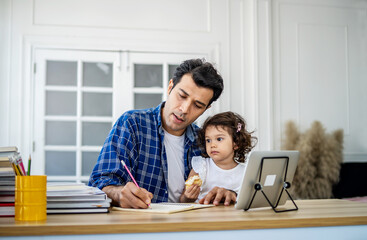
column 94, row 134
column 97, row 74
column 97, row 104
column 60, row 163
column 171, row 71
column 60, row 133
column 148, row 75
column 61, row 103
column 61, row 73
column 89, row 159
column 143, row 100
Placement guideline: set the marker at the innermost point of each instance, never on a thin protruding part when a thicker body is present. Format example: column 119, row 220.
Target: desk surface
column 311, row 213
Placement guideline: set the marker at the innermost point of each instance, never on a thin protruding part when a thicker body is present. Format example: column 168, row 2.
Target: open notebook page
column 166, row 207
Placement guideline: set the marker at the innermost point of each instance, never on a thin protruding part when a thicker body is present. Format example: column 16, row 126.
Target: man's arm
column 217, row 195
column 128, row 196
column 108, row 173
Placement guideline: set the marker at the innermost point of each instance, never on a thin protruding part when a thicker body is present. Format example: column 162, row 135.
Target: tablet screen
column 270, row 169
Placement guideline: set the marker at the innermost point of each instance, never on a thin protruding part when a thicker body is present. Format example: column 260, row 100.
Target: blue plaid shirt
column 137, row 138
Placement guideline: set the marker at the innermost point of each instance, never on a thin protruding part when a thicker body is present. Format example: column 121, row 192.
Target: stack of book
column 75, row 198
column 7, row 181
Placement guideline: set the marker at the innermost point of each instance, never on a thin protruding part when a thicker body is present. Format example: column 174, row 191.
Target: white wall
column 310, row 64
column 320, row 68
column 244, row 37
column 5, row 25
column 159, row 26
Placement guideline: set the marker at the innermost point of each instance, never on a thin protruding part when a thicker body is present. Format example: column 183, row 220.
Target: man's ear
column 170, row 86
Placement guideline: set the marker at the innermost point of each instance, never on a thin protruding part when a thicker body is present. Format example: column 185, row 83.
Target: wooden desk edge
column 178, row 227
column 348, row 213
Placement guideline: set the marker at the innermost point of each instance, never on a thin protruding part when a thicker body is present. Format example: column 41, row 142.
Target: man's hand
column 217, row 195
column 129, row 196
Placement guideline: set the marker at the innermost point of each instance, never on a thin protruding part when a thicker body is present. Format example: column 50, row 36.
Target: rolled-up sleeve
column 119, row 145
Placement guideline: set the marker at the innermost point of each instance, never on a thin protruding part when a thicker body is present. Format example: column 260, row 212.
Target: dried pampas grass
column 321, row 155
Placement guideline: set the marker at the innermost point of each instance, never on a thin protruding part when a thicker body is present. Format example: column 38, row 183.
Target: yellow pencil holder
column 31, row 198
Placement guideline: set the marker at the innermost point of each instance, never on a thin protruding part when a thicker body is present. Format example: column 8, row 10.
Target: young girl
column 225, row 142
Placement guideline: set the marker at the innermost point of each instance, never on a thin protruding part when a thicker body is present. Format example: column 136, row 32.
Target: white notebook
column 78, row 210
column 166, row 207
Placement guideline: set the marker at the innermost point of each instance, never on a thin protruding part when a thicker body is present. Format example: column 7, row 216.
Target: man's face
column 185, row 103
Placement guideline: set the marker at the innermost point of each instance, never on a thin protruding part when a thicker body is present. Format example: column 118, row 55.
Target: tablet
column 269, row 168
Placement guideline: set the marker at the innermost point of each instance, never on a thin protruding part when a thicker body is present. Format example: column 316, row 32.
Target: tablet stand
column 286, row 185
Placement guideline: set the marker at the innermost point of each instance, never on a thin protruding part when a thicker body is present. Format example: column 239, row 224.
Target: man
column 157, row 144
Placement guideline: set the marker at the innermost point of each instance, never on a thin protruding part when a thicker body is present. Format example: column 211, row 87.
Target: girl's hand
column 192, row 193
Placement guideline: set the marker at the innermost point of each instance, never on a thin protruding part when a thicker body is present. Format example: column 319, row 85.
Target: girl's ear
column 235, row 147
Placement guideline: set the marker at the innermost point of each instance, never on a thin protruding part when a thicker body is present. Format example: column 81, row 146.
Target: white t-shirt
column 176, row 170
column 213, row 176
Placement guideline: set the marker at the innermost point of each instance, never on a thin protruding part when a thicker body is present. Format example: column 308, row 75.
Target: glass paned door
column 151, row 73
column 80, row 94
column 74, row 110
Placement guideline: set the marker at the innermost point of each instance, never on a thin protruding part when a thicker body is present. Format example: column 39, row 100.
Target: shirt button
column 166, row 192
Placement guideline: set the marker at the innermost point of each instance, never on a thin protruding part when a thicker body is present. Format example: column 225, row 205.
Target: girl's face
column 220, row 146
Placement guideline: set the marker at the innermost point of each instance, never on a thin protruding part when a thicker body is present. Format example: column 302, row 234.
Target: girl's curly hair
column 230, row 122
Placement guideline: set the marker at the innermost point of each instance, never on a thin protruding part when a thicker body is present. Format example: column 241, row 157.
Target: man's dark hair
column 204, row 75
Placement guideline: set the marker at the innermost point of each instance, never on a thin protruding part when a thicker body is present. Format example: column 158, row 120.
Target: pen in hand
column 131, row 176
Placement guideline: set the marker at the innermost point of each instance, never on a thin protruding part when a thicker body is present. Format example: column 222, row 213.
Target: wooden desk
column 311, row 213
